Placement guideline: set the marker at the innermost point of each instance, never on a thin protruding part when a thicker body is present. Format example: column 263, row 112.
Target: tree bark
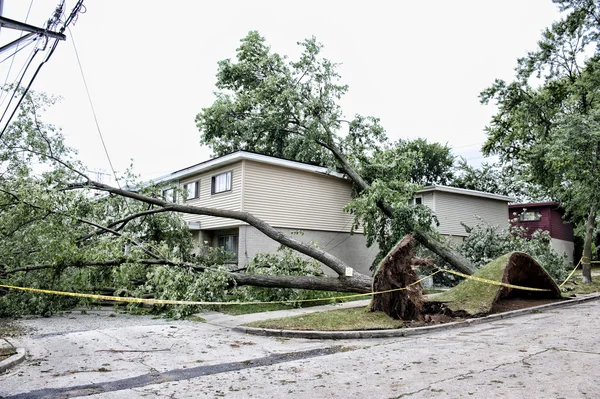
column 586, row 265
column 395, row 271
column 358, row 283
column 455, row 259
column 327, row 259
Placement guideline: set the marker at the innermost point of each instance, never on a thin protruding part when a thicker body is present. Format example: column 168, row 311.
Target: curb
column 13, row 360
column 406, row 332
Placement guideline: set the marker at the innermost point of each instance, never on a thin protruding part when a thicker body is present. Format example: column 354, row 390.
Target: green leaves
column 486, row 242
column 546, row 127
column 273, row 106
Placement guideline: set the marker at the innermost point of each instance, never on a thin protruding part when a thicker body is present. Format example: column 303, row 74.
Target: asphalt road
column 551, row 354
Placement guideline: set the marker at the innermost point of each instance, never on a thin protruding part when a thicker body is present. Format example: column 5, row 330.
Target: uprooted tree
column 290, row 109
column 57, row 235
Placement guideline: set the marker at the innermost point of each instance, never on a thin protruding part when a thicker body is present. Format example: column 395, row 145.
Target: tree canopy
column 275, row 106
column 546, row 127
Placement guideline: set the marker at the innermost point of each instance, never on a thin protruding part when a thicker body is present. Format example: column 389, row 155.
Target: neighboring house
column 546, row 216
column 454, row 206
column 290, row 196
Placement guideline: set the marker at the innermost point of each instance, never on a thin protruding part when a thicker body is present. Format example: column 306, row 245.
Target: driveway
column 102, row 354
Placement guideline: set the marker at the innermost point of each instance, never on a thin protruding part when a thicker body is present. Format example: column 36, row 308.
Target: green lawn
column 236, row 310
column 575, row 285
column 333, row 320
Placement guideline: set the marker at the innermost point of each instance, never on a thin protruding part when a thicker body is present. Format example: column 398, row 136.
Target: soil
column 441, row 315
column 506, row 305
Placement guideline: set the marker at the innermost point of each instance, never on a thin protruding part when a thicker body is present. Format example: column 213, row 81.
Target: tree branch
column 122, row 222
column 106, row 263
column 327, row 259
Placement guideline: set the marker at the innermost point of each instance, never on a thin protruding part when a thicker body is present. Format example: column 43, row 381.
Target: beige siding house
column 304, row 200
column 455, row 205
column 290, row 196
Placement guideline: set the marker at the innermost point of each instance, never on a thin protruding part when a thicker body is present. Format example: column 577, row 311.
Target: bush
column 286, row 262
column 486, row 242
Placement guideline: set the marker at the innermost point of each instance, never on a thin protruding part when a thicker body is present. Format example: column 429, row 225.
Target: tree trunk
column 395, row 271
column 586, row 265
column 360, row 283
column 326, row 258
column 455, row 259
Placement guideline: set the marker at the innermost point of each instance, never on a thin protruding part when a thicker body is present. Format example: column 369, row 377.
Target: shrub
column 486, row 242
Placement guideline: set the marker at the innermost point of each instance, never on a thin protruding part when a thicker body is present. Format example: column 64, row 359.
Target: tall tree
column 495, row 178
column 547, row 121
column 290, row 109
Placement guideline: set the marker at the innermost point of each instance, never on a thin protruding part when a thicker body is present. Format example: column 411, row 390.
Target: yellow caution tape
column 176, row 302
column 492, row 282
column 571, row 274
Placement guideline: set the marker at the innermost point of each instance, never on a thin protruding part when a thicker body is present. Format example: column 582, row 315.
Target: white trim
column 463, row 191
column 243, row 155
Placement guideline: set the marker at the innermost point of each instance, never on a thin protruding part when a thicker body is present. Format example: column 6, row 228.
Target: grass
column 9, row 329
column 333, row 320
column 472, row 296
column 236, row 310
column 576, row 286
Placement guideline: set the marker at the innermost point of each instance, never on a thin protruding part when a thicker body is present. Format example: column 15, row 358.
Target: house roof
column 267, row 159
column 535, row 205
column 244, row 155
column 463, row 191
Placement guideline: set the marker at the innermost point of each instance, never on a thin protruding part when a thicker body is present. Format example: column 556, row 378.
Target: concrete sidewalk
column 225, row 320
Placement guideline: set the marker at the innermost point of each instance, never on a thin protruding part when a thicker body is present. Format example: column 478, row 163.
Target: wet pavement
column 102, row 354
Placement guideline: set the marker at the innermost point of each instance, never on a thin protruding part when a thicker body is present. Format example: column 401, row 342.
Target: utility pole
column 33, row 30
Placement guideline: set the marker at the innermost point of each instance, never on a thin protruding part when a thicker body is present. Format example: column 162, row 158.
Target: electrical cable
column 13, row 55
column 11, row 63
column 52, row 22
column 15, row 90
column 94, row 114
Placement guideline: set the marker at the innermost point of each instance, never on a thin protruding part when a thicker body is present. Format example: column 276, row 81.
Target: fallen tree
column 357, row 283
column 290, row 110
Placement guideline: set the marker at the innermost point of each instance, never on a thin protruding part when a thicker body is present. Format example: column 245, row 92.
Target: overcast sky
column 150, row 66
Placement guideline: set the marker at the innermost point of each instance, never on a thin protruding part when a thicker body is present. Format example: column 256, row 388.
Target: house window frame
column 235, row 238
column 228, row 187
column 169, row 195
column 196, row 184
column 535, row 216
column 413, row 200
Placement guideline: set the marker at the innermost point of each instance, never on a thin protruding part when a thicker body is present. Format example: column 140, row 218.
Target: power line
column 31, row 40
column 12, row 61
column 94, row 113
column 52, row 22
column 15, row 90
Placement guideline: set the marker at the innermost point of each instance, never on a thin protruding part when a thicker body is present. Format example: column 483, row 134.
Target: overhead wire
column 94, row 114
column 53, row 21
column 29, row 41
column 18, row 44
column 15, row 90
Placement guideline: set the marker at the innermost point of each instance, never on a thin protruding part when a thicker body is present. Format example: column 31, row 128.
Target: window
column 229, row 244
column 169, row 194
column 530, row 217
column 192, row 190
column 415, row 201
column 221, row 183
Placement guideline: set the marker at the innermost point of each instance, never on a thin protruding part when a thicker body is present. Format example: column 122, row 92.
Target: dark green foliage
column 486, row 243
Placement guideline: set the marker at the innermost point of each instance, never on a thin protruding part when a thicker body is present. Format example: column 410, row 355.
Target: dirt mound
column 472, row 297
